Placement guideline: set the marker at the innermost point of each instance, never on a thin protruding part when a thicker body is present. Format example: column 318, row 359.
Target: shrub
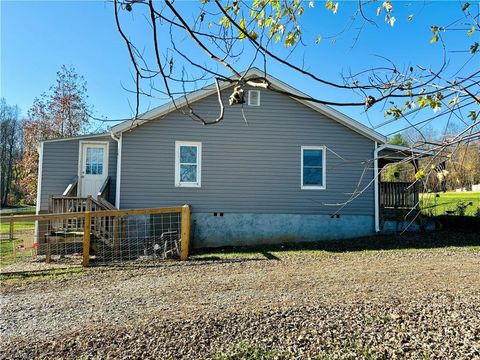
column 462, row 207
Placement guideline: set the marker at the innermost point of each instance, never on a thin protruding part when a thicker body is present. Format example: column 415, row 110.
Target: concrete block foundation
column 227, row 229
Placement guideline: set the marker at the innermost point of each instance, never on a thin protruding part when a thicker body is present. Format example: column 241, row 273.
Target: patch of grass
column 6, row 252
column 355, row 348
column 18, row 226
column 18, row 210
column 247, row 351
column 30, row 276
column 442, row 203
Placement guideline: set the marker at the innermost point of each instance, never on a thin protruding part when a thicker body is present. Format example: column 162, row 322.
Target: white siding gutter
column 39, row 185
column 375, row 186
column 39, row 177
column 119, row 168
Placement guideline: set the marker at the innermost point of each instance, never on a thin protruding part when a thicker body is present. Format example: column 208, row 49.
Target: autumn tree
column 10, row 152
column 465, row 167
column 61, row 112
column 396, row 171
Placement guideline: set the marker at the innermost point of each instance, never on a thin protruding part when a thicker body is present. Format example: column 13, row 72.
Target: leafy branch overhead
column 224, row 36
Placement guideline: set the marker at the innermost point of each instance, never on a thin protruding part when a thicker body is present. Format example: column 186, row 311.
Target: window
column 188, row 157
column 94, row 161
column 313, row 167
column 253, row 97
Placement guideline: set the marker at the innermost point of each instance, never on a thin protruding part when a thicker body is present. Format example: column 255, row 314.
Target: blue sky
column 38, row 37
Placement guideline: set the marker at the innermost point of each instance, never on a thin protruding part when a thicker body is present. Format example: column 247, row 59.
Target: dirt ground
column 416, row 304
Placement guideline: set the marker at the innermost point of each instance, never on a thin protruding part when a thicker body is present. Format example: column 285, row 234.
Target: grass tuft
column 247, row 351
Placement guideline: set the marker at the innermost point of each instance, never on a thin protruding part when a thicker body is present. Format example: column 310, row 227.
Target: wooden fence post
column 116, row 243
column 11, row 229
column 185, row 238
column 86, row 238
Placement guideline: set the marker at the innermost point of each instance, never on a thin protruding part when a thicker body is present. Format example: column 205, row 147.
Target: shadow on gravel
column 38, row 274
column 193, row 261
column 270, row 256
column 204, row 260
column 432, row 240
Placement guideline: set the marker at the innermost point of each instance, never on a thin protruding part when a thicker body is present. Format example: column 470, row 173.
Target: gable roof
column 253, row 72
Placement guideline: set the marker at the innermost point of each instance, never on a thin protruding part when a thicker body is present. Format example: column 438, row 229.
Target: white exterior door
column 94, row 167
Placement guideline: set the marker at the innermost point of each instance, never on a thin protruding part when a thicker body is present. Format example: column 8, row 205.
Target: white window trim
column 249, row 97
column 198, row 183
column 324, row 168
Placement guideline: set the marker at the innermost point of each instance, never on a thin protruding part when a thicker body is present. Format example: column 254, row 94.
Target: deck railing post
column 86, row 238
column 185, row 238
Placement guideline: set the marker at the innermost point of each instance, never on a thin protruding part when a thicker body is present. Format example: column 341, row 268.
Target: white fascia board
column 80, row 137
column 406, row 149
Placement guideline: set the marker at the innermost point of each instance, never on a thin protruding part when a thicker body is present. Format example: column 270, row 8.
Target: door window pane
column 94, row 161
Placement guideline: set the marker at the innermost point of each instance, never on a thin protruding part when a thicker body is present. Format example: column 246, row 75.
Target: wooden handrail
column 71, row 187
column 104, row 189
column 105, row 203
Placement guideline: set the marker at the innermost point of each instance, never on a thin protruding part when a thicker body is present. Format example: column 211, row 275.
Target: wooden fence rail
column 398, row 195
column 90, row 220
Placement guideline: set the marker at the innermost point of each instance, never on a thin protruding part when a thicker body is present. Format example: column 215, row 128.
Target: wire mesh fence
column 104, row 237
column 144, row 237
column 28, row 242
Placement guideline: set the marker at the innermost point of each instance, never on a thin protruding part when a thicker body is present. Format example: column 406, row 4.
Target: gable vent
column 253, row 97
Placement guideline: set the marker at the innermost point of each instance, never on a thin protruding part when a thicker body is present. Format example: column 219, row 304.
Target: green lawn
column 22, row 231
column 6, row 252
column 19, row 210
column 31, row 276
column 19, row 226
column 443, row 203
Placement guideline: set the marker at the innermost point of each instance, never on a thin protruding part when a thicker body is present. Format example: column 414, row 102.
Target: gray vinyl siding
column 247, row 168
column 60, row 165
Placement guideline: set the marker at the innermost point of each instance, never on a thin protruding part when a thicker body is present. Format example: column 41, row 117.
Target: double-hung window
column 313, row 167
column 188, row 163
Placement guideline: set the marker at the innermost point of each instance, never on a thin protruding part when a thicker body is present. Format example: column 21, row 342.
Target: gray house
column 275, row 169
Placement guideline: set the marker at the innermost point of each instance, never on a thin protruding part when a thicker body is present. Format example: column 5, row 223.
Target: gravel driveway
column 422, row 304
